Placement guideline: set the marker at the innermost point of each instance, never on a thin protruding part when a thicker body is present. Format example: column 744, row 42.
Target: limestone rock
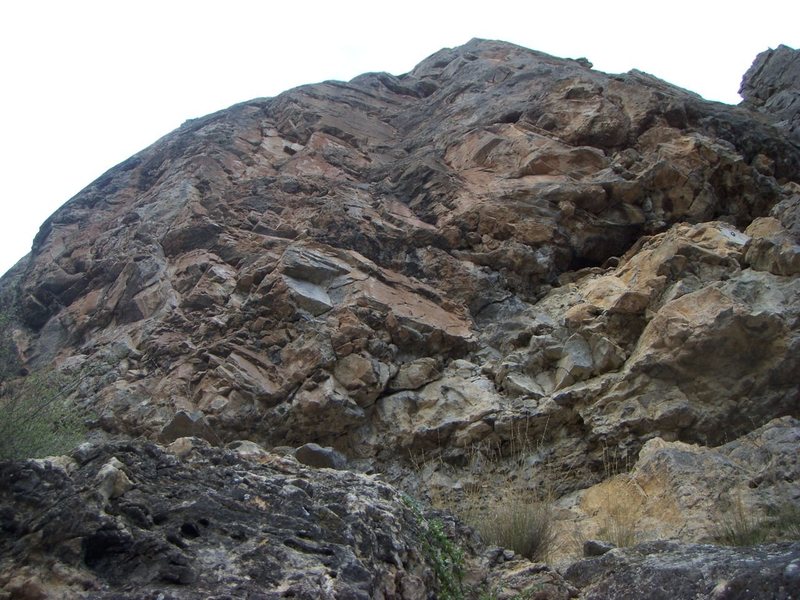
column 772, row 248
column 415, row 374
column 112, row 482
column 499, row 267
column 678, row 490
column 324, row 252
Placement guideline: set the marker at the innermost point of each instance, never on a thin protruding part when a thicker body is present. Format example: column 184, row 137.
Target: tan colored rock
column 418, row 421
column 112, row 481
column 415, row 374
column 772, row 248
column 364, row 378
column 689, row 492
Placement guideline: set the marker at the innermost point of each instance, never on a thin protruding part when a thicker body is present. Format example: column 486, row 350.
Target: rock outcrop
column 135, row 521
column 694, row 493
column 772, row 86
column 500, row 270
column 310, row 268
column 664, row 570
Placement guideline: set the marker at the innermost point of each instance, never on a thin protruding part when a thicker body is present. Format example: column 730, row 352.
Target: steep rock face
column 288, row 266
column 499, row 270
column 772, row 85
column 285, row 265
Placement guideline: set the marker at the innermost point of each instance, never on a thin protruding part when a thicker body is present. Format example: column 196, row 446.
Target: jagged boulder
column 772, row 86
column 209, row 524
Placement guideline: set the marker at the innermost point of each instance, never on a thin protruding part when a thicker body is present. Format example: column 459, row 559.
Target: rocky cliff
column 500, row 267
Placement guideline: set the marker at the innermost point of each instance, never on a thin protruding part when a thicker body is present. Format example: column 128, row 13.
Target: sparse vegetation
column 517, row 514
column 740, row 526
column 445, row 556
column 37, row 419
column 8, row 355
column 786, row 521
column 519, row 522
column 621, row 509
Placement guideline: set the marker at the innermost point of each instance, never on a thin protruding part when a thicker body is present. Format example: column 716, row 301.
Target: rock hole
column 511, row 117
column 100, row 546
column 190, row 530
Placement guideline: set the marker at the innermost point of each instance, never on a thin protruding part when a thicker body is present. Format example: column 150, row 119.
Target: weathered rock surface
column 772, row 85
column 307, row 268
column 689, row 492
column 209, row 525
column 500, row 267
column 665, row 570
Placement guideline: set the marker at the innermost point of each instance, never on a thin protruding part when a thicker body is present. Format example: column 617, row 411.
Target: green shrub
column 444, row 555
column 37, row 419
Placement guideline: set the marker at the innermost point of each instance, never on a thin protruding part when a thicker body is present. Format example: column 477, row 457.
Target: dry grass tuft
column 740, row 526
column 518, row 522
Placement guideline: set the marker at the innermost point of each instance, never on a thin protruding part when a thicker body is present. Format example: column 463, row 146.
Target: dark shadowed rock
column 666, row 570
column 772, row 86
column 212, row 525
column 315, row 455
column 596, row 547
column 184, row 424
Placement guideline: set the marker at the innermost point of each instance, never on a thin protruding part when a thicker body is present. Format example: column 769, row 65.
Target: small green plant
column 37, row 419
column 445, row 556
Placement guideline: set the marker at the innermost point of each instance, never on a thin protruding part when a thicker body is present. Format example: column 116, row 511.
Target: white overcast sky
column 85, row 84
